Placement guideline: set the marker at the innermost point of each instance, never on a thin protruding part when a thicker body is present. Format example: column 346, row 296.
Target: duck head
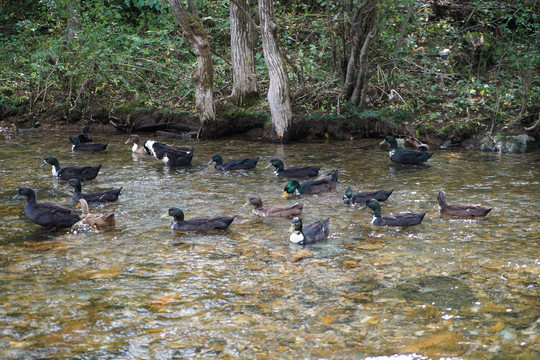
column 74, row 140
column 278, row 164
column 25, row 191
column 392, row 141
column 75, row 183
column 292, row 187
column 297, row 236
column 255, row 201
column 347, row 198
column 217, row 159
column 176, row 213
column 374, row 206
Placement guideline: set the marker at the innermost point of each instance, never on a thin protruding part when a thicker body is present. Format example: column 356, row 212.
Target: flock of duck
column 54, row 216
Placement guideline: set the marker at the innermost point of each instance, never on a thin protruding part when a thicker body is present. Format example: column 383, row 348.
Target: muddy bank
column 254, row 125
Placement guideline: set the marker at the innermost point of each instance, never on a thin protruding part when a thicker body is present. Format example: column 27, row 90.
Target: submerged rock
column 509, row 144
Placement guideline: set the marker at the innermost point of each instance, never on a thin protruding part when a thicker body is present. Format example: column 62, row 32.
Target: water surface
column 448, row 288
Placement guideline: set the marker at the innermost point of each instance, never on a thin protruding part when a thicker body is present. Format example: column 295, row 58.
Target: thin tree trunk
column 278, row 91
column 245, row 91
column 203, row 77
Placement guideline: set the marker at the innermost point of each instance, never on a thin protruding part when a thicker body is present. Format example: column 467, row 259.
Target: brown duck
column 95, row 220
column 463, row 210
column 285, row 211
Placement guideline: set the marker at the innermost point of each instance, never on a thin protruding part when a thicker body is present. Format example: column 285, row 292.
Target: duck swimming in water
column 462, row 210
column 311, row 233
column 77, row 146
column 169, row 154
column 321, row 184
column 137, row 148
column 362, row 197
column 295, row 171
column 46, row 214
column 413, row 157
column 85, row 137
column 198, row 223
column 240, row 164
column 95, row 220
column 71, row 172
column 285, row 210
column 397, row 219
column 94, row 197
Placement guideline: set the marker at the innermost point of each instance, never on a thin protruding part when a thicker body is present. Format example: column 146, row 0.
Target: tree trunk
column 362, row 21
column 278, row 91
column 203, row 77
column 245, row 92
column 74, row 20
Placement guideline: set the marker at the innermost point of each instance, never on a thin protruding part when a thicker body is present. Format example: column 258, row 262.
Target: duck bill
column 285, row 194
column 43, row 164
column 246, row 204
column 164, row 215
column 17, row 196
column 127, row 141
column 269, row 166
column 210, row 162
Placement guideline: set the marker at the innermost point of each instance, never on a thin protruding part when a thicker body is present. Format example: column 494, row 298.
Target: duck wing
column 102, row 196
column 467, row 210
column 402, row 219
column 80, row 173
column 51, row 215
column 299, row 171
column 410, row 156
column 379, row 195
column 247, row 163
column 316, row 231
column 287, row 210
column 205, row 223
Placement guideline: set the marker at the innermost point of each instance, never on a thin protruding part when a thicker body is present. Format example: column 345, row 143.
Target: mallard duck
column 248, row 163
column 71, row 172
column 199, row 223
column 137, row 148
column 46, row 214
column 286, row 210
column 95, row 220
column 168, row 154
column 77, row 146
column 295, row 171
column 85, row 137
column 95, row 197
column 397, row 219
column 413, row 157
column 463, row 210
column 362, row 197
column 309, row 234
column 321, row 184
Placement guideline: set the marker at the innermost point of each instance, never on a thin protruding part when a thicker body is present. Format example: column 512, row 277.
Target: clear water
column 448, row 288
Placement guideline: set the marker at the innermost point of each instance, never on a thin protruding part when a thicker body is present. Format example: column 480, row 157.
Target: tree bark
column 203, row 77
column 362, row 21
column 278, row 91
column 245, row 91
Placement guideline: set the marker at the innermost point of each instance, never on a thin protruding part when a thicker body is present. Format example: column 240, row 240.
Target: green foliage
column 131, row 53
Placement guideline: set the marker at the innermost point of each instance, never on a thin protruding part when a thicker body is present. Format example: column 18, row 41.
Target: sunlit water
column 448, row 288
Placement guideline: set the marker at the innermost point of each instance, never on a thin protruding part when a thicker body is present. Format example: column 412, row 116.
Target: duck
column 462, row 210
column 85, row 137
column 362, row 197
column 311, row 233
column 137, row 148
column 413, row 157
column 170, row 155
column 324, row 183
column 295, row 171
column 247, row 163
column 94, row 220
column 198, row 223
column 397, row 219
column 94, row 197
column 71, row 172
column 77, row 146
column 285, row 211
column 46, row 214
